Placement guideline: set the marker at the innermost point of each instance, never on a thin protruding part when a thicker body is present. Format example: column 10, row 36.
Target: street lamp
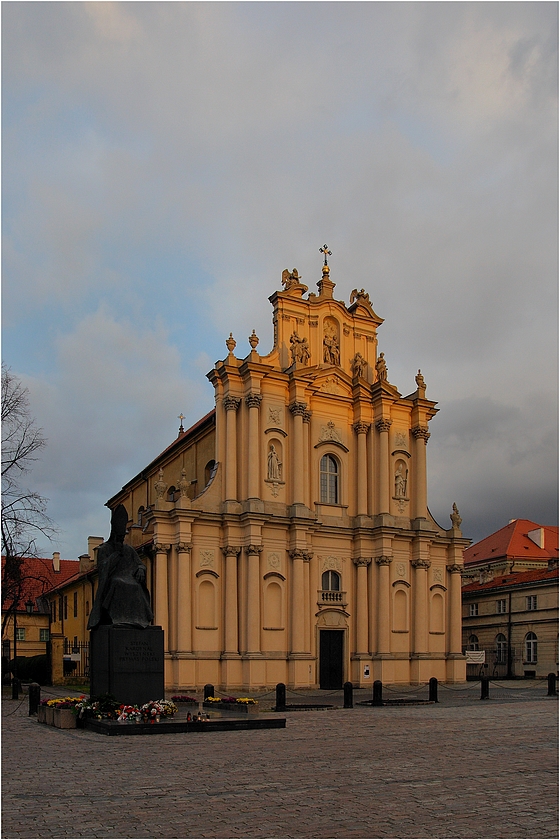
column 29, row 606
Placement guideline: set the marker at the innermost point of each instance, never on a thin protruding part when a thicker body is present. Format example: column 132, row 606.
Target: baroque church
column 287, row 535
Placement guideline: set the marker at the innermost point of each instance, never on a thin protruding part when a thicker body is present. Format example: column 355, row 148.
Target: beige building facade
column 287, row 534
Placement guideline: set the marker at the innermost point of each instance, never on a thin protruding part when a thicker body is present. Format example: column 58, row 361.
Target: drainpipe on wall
column 509, row 674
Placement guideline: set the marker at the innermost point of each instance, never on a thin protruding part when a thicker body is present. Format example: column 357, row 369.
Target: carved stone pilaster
column 298, row 409
column 383, row 425
column 183, row 548
column 455, row 568
column 253, row 549
column 384, row 560
column 161, row 548
column 420, row 433
column 362, row 561
column 361, row 428
column 307, row 556
column 253, row 400
column 307, row 416
column 420, row 564
column 231, row 403
column 231, row 550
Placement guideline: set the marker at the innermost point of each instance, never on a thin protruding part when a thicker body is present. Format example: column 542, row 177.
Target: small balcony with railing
column 331, row 598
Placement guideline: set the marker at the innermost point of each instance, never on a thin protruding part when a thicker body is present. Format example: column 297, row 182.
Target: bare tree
column 24, row 517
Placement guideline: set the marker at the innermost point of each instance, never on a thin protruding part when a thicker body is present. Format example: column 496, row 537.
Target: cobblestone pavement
column 463, row 768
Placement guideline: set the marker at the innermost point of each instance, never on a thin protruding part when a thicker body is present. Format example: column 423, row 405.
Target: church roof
column 513, row 579
column 40, row 577
column 513, row 541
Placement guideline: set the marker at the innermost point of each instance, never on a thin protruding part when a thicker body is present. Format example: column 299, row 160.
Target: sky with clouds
column 164, row 162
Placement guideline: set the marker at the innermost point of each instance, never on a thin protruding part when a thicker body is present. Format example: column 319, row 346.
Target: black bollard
column 485, row 688
column 348, row 699
column 208, row 691
column 433, row 690
column 551, row 685
column 377, row 693
column 34, row 697
column 280, row 697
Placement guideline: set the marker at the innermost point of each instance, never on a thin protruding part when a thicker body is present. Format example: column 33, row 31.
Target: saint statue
column 400, row 483
column 122, row 597
column 274, row 465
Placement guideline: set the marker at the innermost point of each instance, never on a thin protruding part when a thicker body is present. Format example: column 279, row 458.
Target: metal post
column 34, row 697
column 433, row 690
column 377, row 693
column 208, row 691
column 485, row 688
column 551, row 685
column 280, row 697
column 348, row 699
column 15, row 684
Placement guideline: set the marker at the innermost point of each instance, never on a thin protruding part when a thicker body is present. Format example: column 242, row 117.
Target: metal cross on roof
column 181, row 417
column 324, row 250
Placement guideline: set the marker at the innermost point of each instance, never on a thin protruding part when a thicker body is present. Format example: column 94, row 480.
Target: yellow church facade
column 287, row 534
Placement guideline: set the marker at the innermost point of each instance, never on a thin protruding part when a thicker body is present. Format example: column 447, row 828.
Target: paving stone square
column 463, row 768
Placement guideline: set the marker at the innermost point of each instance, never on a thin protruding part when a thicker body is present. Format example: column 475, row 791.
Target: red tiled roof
column 513, row 579
column 512, row 541
column 40, row 577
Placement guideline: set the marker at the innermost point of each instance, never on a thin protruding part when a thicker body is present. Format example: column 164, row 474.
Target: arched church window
column 331, row 581
column 329, row 480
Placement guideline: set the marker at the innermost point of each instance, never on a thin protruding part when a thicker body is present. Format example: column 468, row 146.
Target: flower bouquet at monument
column 156, row 709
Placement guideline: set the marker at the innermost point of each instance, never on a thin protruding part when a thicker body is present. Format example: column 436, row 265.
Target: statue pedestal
column 127, row 662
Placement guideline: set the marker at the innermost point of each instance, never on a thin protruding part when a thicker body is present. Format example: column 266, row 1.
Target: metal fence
column 76, row 659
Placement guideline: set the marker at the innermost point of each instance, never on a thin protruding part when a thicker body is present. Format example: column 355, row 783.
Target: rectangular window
column 75, row 605
column 501, row 605
column 531, row 602
column 20, row 634
column 65, row 607
column 473, row 609
column 43, row 634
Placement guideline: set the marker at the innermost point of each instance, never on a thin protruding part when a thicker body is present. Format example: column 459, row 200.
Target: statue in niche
column 274, row 465
column 401, row 478
column 358, row 365
column 331, row 349
column 122, row 598
column 381, row 368
column 299, row 349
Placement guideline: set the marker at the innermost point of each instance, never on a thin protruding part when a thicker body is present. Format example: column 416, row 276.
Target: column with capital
column 253, row 598
column 383, row 495
column 161, row 611
column 298, row 557
column 184, row 602
column 298, row 410
column 384, row 596
column 231, row 639
column 420, row 506
column 253, row 402
column 231, row 404
column 455, row 608
column 420, row 643
column 361, row 430
column 305, row 465
column 362, row 627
